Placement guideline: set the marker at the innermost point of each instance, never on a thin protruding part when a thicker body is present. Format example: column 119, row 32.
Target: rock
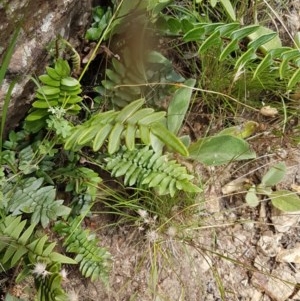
column 41, row 23
column 283, row 221
column 289, row 255
column 236, row 185
column 269, row 244
column 257, row 296
column 279, row 286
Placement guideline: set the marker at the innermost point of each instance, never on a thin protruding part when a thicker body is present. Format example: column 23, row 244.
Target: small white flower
column 152, row 236
column 40, row 270
column 64, row 274
column 142, row 213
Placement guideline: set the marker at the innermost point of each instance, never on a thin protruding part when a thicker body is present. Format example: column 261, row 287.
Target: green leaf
column 179, row 105
column 144, row 132
column 174, row 25
column 220, row 150
column 241, row 131
column 57, row 257
column 294, row 80
column 113, row 76
column 263, row 65
column 297, row 39
column 27, row 233
column 18, row 255
column 42, row 104
column 229, row 9
column 139, row 115
column 232, row 46
column 53, row 74
column 248, row 56
column 129, row 110
column 87, row 135
column 212, row 40
column 62, row 68
column 274, row 175
column 285, row 200
column 227, row 29
column 119, row 67
column 130, row 136
column 260, row 35
column 70, row 82
column 194, row 35
column 151, row 118
column 160, row 131
column 286, row 57
column 114, row 139
column 48, row 80
column 243, row 32
column 262, row 40
column 251, row 197
column 48, row 90
column 101, row 136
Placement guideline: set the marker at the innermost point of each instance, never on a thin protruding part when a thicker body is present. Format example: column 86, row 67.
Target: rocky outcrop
column 41, row 22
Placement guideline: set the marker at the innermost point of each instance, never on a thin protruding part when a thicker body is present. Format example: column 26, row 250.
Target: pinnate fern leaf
column 93, row 260
column 146, row 168
column 264, row 47
column 58, row 89
column 130, row 123
column 31, row 197
column 49, row 287
column 18, row 242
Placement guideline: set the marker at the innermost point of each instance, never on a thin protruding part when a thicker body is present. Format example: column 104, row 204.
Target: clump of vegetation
column 133, row 129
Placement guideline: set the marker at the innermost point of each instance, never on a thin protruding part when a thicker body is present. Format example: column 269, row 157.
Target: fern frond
column 18, row 243
column 31, row 197
column 59, row 89
column 83, row 183
column 49, row 286
column 128, row 80
column 130, row 123
column 264, row 46
column 93, row 260
column 75, row 57
column 146, row 168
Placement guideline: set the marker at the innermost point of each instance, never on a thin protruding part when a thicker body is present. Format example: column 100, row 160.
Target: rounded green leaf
column 62, row 68
column 220, row 150
column 47, row 90
column 251, row 197
column 70, row 82
column 53, row 74
column 49, row 81
column 274, row 175
column 285, row 200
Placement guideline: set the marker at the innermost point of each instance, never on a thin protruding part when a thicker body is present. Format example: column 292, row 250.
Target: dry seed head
column 72, row 295
column 152, row 236
column 40, row 270
column 172, row 231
